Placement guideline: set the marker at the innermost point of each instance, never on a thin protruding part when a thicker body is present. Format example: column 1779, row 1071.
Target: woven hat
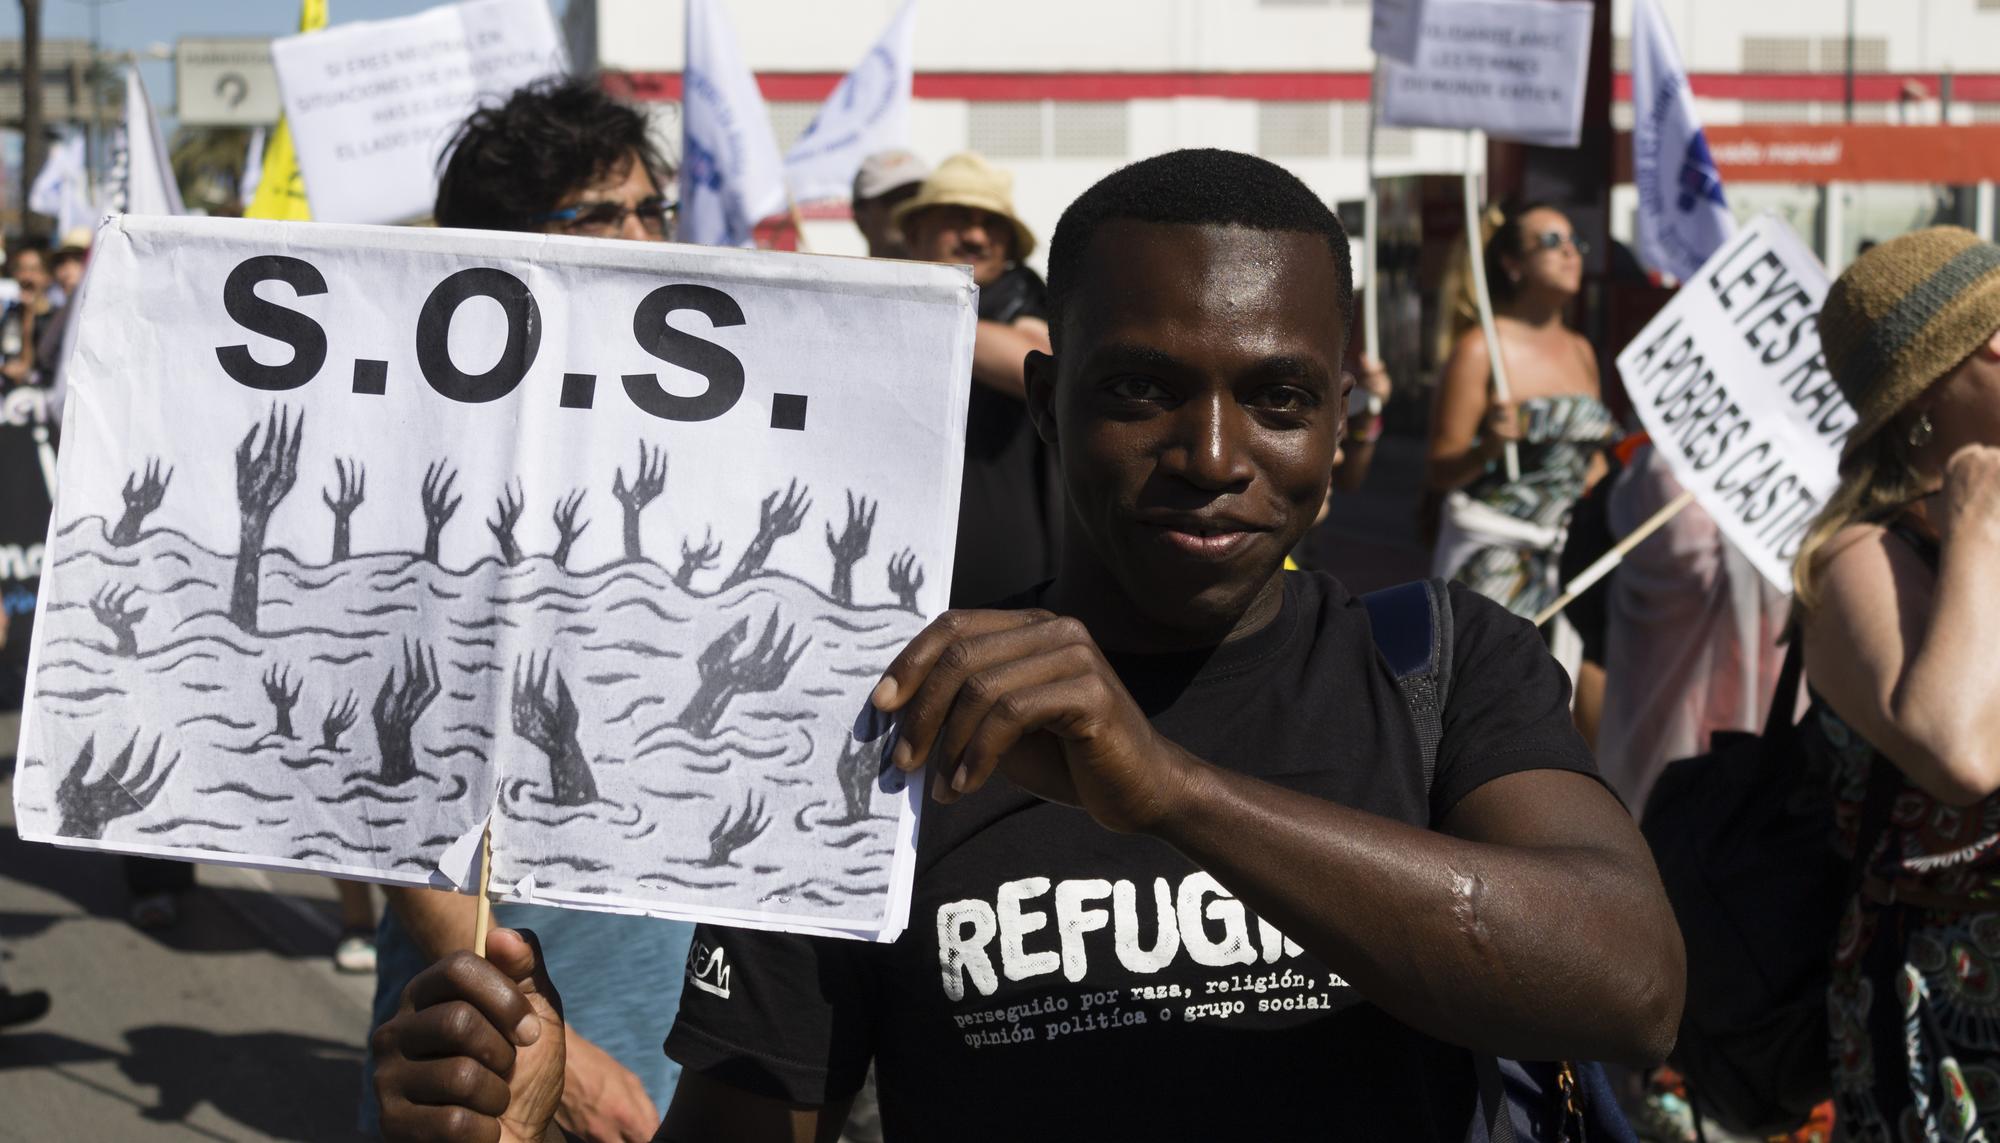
column 969, row 180
column 1905, row 314
column 885, row 171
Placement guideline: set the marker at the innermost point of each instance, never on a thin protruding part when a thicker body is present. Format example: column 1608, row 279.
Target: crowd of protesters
column 1450, row 833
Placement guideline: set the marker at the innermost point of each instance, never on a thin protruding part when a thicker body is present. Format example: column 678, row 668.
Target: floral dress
column 1559, row 436
column 1914, row 999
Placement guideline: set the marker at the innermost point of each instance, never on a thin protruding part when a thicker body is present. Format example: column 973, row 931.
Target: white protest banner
column 368, row 537
column 868, row 112
column 1514, row 69
column 372, row 105
column 1396, row 27
column 1730, row 381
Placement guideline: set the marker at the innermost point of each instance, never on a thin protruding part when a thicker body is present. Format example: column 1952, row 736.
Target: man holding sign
column 1330, row 938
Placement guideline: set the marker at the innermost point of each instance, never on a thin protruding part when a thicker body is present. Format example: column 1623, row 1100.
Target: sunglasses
column 600, row 219
column 1556, row 240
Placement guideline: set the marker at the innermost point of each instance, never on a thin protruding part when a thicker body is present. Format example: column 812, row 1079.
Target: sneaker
column 22, row 1007
column 355, row 953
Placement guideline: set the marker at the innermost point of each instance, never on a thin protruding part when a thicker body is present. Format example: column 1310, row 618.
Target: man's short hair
column 1196, row 187
column 511, row 164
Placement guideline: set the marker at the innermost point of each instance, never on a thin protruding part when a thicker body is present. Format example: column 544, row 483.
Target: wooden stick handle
column 484, row 921
column 1588, row 577
column 1476, row 267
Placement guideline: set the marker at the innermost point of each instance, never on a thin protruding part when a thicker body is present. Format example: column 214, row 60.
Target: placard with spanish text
column 1515, row 69
column 372, row 105
column 1730, row 382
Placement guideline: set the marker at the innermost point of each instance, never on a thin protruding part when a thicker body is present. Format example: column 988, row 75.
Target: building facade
column 1062, row 91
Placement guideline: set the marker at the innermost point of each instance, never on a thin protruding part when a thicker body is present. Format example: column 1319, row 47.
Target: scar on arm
column 1468, row 898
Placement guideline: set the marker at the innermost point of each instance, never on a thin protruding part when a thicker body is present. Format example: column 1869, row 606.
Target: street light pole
column 34, row 147
column 1850, row 61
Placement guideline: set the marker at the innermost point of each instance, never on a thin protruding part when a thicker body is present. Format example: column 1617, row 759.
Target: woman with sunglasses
column 1895, row 599
column 1502, row 536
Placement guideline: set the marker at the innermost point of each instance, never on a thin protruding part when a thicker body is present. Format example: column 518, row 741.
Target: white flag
column 1683, row 215
column 142, row 176
column 731, row 174
column 253, row 167
column 868, row 112
column 62, row 188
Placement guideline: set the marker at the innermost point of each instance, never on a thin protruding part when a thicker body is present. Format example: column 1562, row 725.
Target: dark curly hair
column 510, row 164
column 1196, row 187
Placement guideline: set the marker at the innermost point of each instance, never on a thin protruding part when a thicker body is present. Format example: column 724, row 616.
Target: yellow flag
column 281, row 192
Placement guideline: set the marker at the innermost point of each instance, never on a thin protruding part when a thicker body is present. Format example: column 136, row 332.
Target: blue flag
column 1683, row 214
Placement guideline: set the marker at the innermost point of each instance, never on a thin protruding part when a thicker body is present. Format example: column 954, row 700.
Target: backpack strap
column 1411, row 624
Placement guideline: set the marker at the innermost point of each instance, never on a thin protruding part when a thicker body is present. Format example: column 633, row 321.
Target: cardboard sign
column 1730, row 381
column 1514, row 69
column 1397, row 27
column 225, row 83
column 369, row 538
column 372, row 105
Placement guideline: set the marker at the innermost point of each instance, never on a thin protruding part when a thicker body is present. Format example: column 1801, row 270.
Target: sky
column 133, row 25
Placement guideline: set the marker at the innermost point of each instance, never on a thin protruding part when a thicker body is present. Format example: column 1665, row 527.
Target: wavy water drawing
column 632, row 735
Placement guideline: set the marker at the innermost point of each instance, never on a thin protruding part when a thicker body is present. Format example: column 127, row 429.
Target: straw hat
column 969, row 180
column 1905, row 314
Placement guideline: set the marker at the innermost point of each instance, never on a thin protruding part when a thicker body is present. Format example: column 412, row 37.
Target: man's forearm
column 440, row 922
column 1532, row 953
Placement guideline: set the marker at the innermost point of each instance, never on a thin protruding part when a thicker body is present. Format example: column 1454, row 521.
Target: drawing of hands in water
column 567, row 528
column 647, row 483
column 507, row 512
column 114, row 609
column 141, row 500
column 87, row 805
column 284, row 695
column 353, row 489
column 397, row 710
column 549, row 722
column 851, row 545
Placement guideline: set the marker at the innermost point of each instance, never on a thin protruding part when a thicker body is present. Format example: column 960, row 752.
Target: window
column 1987, row 112
column 1871, row 53
column 790, row 120
column 1090, row 130
column 1621, row 53
column 1046, row 129
column 1295, row 130
column 1390, row 142
column 1005, row 130
column 1777, row 53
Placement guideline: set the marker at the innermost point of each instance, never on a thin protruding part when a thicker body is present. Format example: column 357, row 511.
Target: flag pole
column 1371, row 297
column 1477, row 269
column 1588, row 577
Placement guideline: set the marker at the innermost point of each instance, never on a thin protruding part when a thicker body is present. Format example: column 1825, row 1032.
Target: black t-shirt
column 1059, row 981
column 1006, row 517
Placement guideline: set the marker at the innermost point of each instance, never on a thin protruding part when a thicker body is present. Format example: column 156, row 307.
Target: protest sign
column 367, row 538
column 1395, row 29
column 1514, row 69
column 26, row 466
column 372, row 105
column 1730, row 381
